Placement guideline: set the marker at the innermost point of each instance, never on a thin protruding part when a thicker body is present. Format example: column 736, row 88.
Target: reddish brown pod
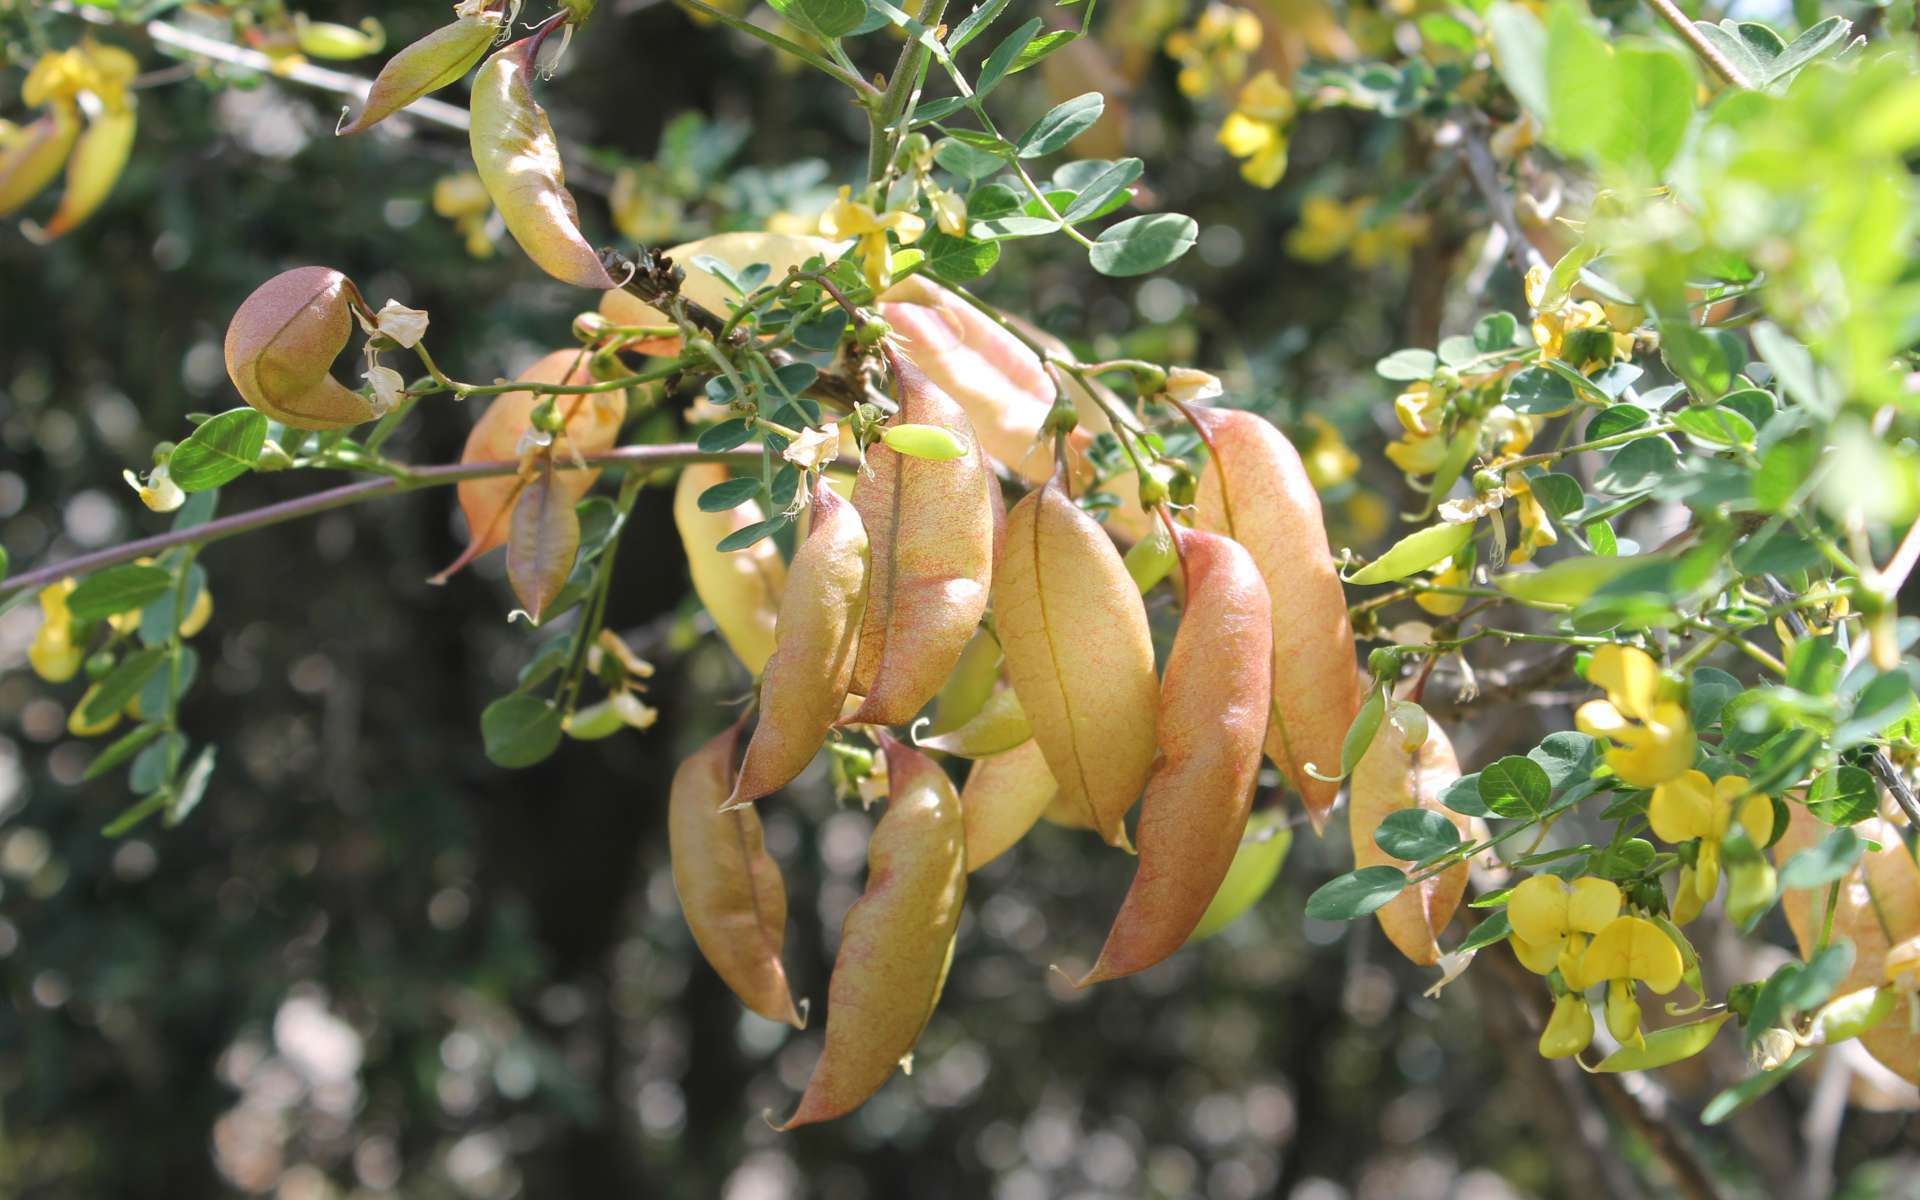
column 730, row 888
column 897, row 941
column 281, row 345
column 1212, row 724
column 930, row 524
column 1080, row 655
column 1408, row 764
column 1255, row 490
column 590, row 425
column 435, row 61
column 806, row 680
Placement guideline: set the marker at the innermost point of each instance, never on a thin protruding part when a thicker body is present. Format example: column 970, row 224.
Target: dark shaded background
column 372, row 963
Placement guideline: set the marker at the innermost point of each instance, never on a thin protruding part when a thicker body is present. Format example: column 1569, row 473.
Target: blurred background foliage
column 374, row 964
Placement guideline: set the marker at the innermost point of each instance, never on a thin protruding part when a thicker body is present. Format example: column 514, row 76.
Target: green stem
column 795, row 49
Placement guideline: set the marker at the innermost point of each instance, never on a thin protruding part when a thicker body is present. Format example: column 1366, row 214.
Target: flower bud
column 1569, row 1030
column 100, row 665
column 590, row 327
column 871, row 330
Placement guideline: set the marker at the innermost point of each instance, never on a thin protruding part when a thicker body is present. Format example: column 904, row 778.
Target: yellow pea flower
column 1508, row 432
column 1388, row 241
column 1553, row 919
column 1630, row 951
column 1695, row 807
column 848, row 217
column 1330, row 462
column 1417, row 455
column 1651, row 738
column 1257, row 130
column 1569, row 1030
column 198, row 614
column 1213, row 53
column 1441, row 604
column 53, row 654
column 1536, row 531
column 1419, row 408
column 1326, row 227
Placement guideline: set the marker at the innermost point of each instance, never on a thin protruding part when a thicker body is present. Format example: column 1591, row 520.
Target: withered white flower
column 814, row 448
column 1190, row 386
column 159, row 493
column 389, row 387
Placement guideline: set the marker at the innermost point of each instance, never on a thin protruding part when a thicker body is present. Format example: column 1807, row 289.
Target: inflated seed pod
column 1409, row 763
column 1877, row 908
column 31, row 155
column 1080, row 655
column 740, row 589
column 1256, row 491
column 543, row 539
column 281, row 345
column 1212, row 724
column 518, row 160
column 423, row 67
column 897, row 941
column 805, row 684
column 931, row 527
column 730, row 888
column 590, row 422
column 1004, row 795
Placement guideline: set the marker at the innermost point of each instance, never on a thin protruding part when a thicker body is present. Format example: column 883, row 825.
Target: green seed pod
column 1151, row 559
column 924, row 441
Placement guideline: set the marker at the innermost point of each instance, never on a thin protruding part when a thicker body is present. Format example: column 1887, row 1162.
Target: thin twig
column 1485, row 174
column 645, row 457
column 1708, row 52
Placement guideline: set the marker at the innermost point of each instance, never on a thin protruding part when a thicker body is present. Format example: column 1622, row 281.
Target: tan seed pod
column 805, row 684
column 730, row 888
column 1393, row 776
column 740, row 589
column 897, row 941
column 1080, row 655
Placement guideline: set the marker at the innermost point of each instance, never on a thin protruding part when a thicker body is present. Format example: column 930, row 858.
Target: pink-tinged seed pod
column 1213, row 721
column 1004, row 795
column 424, row 67
column 805, row 685
column 32, row 156
column 730, row 888
column 591, row 423
column 1256, row 491
column 1408, row 764
column 931, row 527
column 519, row 162
column 543, row 539
column 281, row 345
column 1080, row 655
column 897, row 941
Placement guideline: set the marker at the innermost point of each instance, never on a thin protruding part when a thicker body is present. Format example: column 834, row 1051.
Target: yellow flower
column 1257, row 130
column 1213, row 54
column 1903, row 965
column 1553, row 919
column 463, row 199
column 1652, row 738
column 1695, row 807
column 1552, row 324
column 1629, row 951
column 848, row 217
column 1508, row 432
column 1330, row 462
column 949, row 211
column 1326, row 226
column 1388, row 241
column 1419, row 408
column 1535, row 530
column 198, row 615
column 54, row 655
column 1569, row 1030
column 1417, row 455
column 1441, row 604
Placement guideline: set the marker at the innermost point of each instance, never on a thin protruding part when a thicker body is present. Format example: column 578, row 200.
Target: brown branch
column 645, row 457
column 1708, row 52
